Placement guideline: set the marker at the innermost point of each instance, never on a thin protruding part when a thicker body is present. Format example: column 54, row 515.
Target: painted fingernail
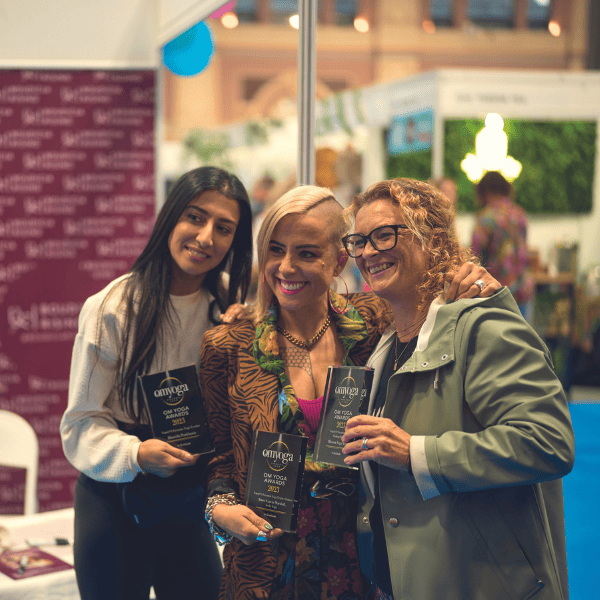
column 448, row 301
column 268, row 526
column 261, row 537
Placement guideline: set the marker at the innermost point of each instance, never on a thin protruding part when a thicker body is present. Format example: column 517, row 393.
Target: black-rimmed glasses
column 381, row 238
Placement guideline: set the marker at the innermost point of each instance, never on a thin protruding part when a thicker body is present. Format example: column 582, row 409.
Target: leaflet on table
column 347, row 392
column 21, row 564
column 176, row 408
column 275, row 474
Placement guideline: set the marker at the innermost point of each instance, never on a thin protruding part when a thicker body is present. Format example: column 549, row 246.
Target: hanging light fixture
column 554, row 28
column 511, row 169
column 491, row 152
column 491, row 143
column 472, row 167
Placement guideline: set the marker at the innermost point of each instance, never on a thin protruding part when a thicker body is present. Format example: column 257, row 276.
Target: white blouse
column 91, row 440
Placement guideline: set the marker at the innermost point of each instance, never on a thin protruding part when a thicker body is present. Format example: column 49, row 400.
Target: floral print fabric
column 321, row 560
column 500, row 240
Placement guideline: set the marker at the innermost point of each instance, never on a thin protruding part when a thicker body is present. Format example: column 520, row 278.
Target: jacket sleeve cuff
column 421, row 473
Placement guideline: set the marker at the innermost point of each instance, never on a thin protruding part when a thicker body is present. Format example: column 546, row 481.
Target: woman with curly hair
column 468, row 431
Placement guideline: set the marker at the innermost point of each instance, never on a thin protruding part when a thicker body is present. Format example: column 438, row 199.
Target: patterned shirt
column 351, row 329
column 500, row 240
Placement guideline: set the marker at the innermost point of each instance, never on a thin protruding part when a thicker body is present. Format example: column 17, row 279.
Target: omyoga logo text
column 171, row 391
column 278, row 456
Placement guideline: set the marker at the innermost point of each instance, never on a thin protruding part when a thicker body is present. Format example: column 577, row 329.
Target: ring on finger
column 365, row 441
column 261, row 537
column 480, row 284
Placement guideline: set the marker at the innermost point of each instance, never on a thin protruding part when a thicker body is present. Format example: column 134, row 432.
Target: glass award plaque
column 176, row 409
column 275, row 474
column 347, row 392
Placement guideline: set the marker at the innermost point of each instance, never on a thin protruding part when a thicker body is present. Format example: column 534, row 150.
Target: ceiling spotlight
column 554, row 28
column 361, row 24
column 295, row 21
column 229, row 20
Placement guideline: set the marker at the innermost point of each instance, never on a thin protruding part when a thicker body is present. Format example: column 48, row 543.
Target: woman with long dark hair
column 152, row 319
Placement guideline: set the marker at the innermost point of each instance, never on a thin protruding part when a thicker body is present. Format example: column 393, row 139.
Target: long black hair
column 146, row 292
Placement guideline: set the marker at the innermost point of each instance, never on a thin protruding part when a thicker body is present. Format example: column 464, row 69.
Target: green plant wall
column 557, row 157
column 415, row 165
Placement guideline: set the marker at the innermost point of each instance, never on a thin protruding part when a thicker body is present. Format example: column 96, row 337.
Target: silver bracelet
column 220, row 535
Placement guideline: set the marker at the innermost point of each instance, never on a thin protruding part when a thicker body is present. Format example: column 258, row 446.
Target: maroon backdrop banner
column 77, row 204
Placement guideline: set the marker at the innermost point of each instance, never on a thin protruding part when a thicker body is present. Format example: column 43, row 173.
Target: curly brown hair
column 430, row 217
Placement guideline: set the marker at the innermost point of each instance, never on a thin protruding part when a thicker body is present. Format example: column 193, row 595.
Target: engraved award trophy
column 275, row 474
column 176, row 408
column 347, row 392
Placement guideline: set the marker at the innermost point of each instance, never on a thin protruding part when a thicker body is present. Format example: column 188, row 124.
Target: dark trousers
column 116, row 560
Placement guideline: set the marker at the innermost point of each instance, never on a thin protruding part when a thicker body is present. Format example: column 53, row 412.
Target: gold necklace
column 415, row 326
column 407, row 344
column 308, row 344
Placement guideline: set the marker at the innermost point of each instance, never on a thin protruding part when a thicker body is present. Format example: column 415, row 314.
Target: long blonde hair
column 297, row 201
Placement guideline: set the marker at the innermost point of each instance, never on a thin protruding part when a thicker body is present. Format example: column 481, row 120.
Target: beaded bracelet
column 220, row 535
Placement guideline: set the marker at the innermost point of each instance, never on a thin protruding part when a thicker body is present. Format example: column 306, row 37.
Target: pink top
column 311, row 409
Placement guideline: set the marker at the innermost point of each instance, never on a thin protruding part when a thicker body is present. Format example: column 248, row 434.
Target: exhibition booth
column 84, row 167
column 423, row 127
column 371, row 118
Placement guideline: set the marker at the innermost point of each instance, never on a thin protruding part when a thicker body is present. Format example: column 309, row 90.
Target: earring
column 339, row 312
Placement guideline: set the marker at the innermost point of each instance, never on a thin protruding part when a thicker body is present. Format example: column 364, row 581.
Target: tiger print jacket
column 242, row 396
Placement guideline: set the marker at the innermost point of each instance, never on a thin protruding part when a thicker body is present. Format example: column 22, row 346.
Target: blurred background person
column 259, row 193
column 447, row 186
column 500, row 238
column 269, row 190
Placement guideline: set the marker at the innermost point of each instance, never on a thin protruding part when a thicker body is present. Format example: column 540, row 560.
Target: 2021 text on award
column 176, row 408
column 275, row 474
column 347, row 392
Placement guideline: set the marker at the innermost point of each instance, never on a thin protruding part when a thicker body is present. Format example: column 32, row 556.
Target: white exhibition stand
column 448, row 94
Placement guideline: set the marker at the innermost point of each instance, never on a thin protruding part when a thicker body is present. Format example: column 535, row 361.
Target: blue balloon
column 189, row 53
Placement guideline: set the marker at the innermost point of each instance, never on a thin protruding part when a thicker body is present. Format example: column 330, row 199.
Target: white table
column 53, row 586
